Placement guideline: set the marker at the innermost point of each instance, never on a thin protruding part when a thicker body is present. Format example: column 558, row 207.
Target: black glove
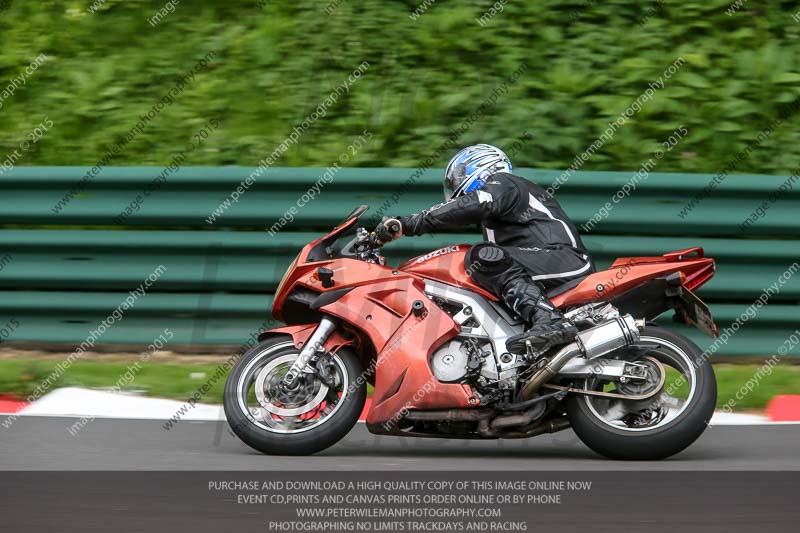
column 388, row 230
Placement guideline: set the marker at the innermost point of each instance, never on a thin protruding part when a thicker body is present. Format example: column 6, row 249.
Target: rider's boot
column 547, row 325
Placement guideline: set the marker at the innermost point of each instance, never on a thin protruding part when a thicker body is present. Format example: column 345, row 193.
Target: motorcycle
column 431, row 343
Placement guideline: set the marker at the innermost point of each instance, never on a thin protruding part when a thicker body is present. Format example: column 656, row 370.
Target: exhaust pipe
column 594, row 342
column 449, row 415
column 551, row 426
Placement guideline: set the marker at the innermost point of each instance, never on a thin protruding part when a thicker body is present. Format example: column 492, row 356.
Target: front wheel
column 658, row 427
column 318, row 411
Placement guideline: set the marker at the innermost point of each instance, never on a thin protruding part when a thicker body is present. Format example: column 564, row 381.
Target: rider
column 530, row 245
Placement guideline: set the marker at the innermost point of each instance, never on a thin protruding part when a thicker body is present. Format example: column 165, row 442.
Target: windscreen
column 332, row 245
column 357, row 212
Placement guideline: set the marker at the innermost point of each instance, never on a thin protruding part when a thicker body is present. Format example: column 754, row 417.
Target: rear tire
column 305, row 442
column 661, row 441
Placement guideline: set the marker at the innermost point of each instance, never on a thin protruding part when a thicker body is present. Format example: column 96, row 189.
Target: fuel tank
column 445, row 265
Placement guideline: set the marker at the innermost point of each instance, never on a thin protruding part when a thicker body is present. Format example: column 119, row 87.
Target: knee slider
column 488, row 257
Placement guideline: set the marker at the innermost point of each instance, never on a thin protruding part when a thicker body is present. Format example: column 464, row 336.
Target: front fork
column 315, row 343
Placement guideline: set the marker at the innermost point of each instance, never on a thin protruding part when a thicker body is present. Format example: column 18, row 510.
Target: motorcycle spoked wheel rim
column 250, row 375
column 688, row 371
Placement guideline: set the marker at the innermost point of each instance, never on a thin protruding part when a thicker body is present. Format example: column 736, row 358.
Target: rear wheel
column 318, row 411
column 660, row 426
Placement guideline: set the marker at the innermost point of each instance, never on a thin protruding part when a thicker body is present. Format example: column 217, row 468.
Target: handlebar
column 365, row 246
column 368, row 239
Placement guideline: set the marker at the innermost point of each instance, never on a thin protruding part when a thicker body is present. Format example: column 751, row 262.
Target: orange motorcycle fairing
column 631, row 272
column 300, row 334
column 446, row 265
column 404, row 339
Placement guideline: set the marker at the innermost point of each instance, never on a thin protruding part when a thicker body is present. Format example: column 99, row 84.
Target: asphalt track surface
column 44, row 443
column 133, row 475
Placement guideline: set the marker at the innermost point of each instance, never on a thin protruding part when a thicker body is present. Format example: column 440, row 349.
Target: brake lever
column 374, row 242
column 362, row 235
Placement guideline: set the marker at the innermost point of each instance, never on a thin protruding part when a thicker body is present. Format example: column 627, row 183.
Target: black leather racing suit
column 520, row 217
column 530, row 245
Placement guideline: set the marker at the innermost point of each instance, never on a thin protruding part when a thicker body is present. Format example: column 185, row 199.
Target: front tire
column 633, row 431
column 298, row 422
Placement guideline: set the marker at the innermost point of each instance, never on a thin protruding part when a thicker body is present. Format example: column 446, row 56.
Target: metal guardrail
column 68, row 270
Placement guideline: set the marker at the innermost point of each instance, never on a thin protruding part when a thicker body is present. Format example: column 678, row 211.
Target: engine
column 460, row 360
column 478, row 356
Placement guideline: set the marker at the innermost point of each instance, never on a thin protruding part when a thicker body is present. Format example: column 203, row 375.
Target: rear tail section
column 648, row 286
column 692, row 262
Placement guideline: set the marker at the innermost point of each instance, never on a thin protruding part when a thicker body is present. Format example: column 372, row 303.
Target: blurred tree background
column 276, row 61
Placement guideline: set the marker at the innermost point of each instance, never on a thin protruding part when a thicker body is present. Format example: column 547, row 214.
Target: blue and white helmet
column 471, row 167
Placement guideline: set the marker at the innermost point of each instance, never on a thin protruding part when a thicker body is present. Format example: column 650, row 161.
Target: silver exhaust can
column 609, row 336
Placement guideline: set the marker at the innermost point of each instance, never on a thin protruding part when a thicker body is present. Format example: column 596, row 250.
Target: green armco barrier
column 65, row 271
column 193, row 193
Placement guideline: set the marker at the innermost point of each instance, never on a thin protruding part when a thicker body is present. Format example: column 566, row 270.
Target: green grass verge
column 165, row 380
column 168, row 380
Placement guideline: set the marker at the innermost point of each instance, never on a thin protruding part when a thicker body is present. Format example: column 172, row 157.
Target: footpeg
column 531, row 353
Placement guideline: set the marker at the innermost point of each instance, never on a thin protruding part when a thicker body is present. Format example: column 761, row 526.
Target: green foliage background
column 276, row 61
